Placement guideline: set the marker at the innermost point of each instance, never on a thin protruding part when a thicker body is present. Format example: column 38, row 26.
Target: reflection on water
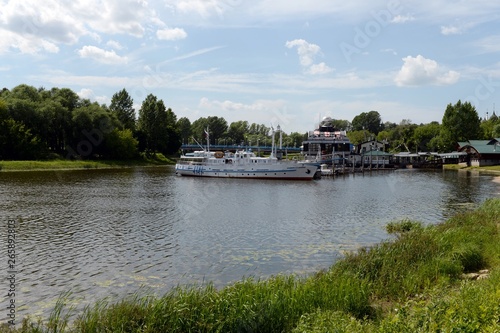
column 108, row 233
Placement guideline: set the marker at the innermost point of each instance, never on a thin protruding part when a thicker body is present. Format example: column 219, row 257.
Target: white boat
column 243, row 164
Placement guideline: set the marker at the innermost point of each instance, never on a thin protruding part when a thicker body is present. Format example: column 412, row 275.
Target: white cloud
column 32, row 26
column 85, row 93
column 307, row 52
column 451, row 30
column 418, row 71
column 389, row 51
column 263, row 111
column 171, row 34
column 204, row 8
column 320, row 68
column 489, row 44
column 107, row 57
column 114, row 45
column 402, row 18
column 114, row 16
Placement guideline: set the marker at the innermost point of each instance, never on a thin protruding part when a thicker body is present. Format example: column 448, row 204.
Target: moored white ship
column 243, row 164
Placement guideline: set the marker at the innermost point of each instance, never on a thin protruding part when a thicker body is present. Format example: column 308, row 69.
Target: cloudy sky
column 288, row 62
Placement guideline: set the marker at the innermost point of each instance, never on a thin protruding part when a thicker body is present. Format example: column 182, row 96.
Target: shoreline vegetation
column 424, row 278
column 157, row 160
column 67, row 164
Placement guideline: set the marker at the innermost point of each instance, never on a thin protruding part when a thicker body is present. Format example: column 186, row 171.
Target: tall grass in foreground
column 409, row 284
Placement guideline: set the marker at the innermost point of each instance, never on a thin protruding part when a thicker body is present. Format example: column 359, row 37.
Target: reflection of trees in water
column 463, row 191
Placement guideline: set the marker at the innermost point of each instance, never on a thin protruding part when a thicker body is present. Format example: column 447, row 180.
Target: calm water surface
column 110, row 233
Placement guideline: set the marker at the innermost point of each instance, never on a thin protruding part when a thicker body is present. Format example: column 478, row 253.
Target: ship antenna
column 199, row 144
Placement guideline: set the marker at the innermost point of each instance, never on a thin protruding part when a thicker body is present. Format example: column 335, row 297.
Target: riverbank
column 493, row 168
column 439, row 277
column 65, row 164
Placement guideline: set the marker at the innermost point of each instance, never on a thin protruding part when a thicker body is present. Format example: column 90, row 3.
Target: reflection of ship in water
column 327, row 144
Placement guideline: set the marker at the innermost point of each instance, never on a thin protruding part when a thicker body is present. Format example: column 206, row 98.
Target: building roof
column 482, row 146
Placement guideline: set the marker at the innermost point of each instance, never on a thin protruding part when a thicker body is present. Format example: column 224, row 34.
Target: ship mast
column 208, row 139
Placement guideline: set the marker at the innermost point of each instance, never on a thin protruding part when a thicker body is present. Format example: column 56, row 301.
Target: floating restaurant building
column 326, row 144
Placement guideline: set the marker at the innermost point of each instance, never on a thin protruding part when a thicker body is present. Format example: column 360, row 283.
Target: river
column 111, row 233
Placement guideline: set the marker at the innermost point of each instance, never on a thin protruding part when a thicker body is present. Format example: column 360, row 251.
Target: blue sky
column 269, row 62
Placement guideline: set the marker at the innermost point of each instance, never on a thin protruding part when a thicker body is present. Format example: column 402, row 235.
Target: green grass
column 492, row 168
column 65, row 164
column 411, row 283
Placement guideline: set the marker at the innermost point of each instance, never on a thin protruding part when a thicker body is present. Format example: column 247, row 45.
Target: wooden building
column 481, row 152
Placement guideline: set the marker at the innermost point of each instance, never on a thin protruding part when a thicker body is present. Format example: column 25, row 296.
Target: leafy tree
column 423, row 136
column 66, row 97
column 258, row 129
column 296, row 139
column 184, row 126
column 460, row 123
column 357, row 137
column 496, row 131
column 121, row 144
column 370, row 121
column 91, row 125
column 174, row 136
column 217, row 127
column 55, row 126
column 122, row 106
column 18, row 143
column 488, row 127
column 198, row 129
column 25, row 92
column 342, row 125
column 158, row 127
column 237, row 130
column 3, row 109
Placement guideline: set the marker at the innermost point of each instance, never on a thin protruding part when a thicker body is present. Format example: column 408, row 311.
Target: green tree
column 341, row 125
column 173, row 132
column 460, row 123
column 122, row 106
column 26, row 92
column 66, row 97
column 56, row 125
column 121, row 144
column 496, row 131
column 91, row 125
column 423, row 136
column 488, row 127
column 296, row 138
column 217, row 127
column 370, row 121
column 18, row 143
column 184, row 126
column 237, row 131
column 157, row 126
column 357, row 137
column 198, row 128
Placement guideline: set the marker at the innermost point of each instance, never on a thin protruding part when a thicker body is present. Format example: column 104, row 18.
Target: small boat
column 243, row 164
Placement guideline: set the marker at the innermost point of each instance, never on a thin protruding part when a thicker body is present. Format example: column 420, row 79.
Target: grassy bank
column 65, row 164
column 493, row 168
column 412, row 283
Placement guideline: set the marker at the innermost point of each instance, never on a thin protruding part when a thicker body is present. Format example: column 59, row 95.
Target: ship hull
column 284, row 173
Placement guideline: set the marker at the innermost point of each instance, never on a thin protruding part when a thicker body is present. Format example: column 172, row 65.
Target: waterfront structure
column 481, row 152
column 327, row 144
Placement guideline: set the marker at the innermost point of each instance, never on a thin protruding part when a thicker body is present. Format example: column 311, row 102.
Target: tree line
column 460, row 122
column 37, row 123
column 40, row 123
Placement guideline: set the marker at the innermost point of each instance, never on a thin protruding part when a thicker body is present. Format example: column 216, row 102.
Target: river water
column 111, row 233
